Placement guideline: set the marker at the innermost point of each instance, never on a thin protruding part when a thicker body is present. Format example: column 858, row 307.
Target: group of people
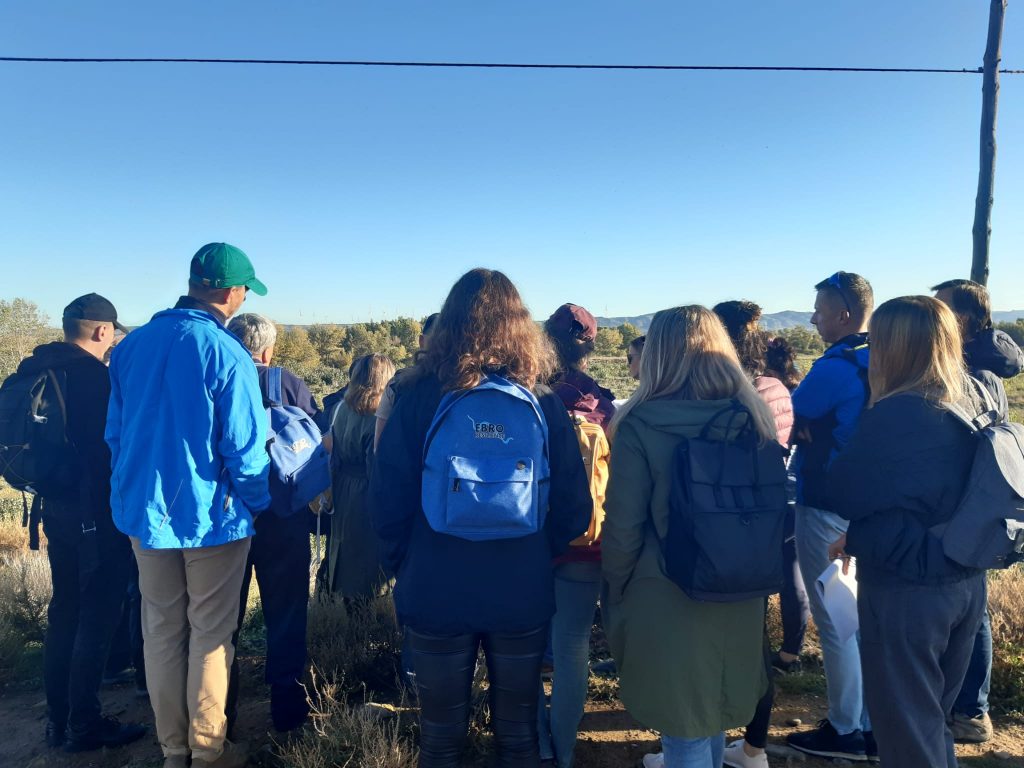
column 174, row 470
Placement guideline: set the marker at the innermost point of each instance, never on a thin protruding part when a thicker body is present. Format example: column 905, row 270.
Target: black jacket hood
column 56, row 354
column 994, row 350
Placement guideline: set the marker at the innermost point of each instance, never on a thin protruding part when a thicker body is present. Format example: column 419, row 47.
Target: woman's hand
column 837, row 549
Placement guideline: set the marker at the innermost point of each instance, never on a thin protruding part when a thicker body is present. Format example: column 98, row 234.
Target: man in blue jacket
column 827, row 406
column 187, row 431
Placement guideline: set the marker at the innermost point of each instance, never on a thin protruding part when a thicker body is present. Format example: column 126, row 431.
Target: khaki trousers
column 189, row 612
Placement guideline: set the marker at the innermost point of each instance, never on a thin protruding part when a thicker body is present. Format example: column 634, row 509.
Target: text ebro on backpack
column 727, row 511
column 486, row 474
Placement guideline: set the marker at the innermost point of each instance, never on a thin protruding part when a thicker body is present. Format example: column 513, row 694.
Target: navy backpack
column 727, row 513
column 485, row 463
column 299, row 464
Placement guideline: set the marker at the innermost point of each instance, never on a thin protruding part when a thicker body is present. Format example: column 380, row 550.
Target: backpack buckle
column 89, row 527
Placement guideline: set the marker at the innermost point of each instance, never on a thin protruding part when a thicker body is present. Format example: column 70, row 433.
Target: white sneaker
column 654, row 760
column 737, row 758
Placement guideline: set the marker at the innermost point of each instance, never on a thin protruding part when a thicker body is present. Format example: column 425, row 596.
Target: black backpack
column 727, row 513
column 987, row 528
column 35, row 453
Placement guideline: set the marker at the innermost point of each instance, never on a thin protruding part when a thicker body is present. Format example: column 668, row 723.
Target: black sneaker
column 110, row 732
column 870, row 746
column 823, row 741
column 785, row 667
column 54, row 734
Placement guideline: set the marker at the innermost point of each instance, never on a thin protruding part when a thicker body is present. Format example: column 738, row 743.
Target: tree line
column 322, row 353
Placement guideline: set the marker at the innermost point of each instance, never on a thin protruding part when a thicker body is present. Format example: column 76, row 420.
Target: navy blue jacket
column 903, row 471
column 446, row 585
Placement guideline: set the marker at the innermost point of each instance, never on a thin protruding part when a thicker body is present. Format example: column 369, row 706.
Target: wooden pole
column 986, row 174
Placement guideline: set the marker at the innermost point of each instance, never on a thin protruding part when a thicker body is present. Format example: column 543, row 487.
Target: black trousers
column 279, row 555
column 126, row 645
column 916, row 643
column 756, row 734
column 90, row 577
column 444, row 667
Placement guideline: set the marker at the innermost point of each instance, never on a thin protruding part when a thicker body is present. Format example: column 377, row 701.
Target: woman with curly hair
column 455, row 595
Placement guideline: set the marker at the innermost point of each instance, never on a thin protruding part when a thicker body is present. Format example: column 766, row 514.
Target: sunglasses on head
column 834, row 282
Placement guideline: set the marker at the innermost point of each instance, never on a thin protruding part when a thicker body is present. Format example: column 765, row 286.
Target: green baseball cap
column 219, row 265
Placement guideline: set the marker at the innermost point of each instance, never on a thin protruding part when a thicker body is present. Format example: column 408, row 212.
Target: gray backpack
column 987, row 528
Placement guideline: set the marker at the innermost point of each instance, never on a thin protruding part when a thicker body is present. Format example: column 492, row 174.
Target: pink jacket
column 775, row 394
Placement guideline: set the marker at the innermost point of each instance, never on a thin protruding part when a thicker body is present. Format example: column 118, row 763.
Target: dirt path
column 609, row 737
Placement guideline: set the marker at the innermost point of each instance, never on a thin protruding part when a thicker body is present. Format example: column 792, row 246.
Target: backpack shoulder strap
column 274, row 385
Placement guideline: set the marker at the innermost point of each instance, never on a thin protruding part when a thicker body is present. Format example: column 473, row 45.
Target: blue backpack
column 299, row 464
column 485, row 463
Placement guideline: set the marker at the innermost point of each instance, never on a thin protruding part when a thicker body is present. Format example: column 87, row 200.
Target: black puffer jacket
column 903, row 472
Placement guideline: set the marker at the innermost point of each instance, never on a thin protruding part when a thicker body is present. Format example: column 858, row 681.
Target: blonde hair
column 369, row 376
column 916, row 347
column 688, row 356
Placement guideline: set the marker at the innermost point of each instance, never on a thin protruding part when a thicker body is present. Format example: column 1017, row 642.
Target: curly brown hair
column 483, row 328
column 740, row 319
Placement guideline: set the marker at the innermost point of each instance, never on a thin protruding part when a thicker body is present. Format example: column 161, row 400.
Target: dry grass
column 1004, row 593
column 349, row 736
column 24, row 595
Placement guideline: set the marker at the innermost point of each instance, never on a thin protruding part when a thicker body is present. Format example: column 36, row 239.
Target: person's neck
column 86, row 346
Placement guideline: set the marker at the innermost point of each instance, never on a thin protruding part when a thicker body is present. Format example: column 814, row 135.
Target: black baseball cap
column 92, row 306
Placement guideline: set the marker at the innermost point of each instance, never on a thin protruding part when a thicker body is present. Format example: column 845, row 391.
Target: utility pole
column 986, row 174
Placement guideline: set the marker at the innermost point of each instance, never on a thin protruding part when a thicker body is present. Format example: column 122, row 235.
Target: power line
column 494, row 65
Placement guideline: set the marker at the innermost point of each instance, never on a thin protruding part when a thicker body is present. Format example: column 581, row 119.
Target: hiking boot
column 54, row 734
column 870, row 747
column 233, row 756
column 653, row 760
column 736, row 758
column 971, row 730
column 823, row 741
column 176, row 761
column 110, row 732
column 785, row 667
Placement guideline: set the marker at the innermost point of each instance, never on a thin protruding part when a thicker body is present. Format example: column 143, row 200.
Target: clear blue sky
column 363, row 193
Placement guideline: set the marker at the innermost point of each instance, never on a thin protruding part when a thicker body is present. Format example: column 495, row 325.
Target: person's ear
column 266, row 355
column 102, row 332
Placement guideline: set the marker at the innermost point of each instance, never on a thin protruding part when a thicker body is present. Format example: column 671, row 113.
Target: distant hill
column 773, row 322
column 776, row 321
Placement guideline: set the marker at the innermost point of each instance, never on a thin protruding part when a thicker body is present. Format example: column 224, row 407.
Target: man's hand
column 837, row 549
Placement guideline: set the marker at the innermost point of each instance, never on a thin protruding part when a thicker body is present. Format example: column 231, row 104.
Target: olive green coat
column 686, row 668
column 353, row 562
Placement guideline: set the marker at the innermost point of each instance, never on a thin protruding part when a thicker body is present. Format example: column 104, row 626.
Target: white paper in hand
column 838, row 593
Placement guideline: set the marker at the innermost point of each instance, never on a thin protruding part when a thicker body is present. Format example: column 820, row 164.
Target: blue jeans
column 693, row 753
column 576, row 590
column 973, row 698
column 816, row 529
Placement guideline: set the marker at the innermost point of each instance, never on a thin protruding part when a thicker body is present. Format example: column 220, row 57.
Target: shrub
column 25, row 591
column 346, row 735
column 358, row 641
